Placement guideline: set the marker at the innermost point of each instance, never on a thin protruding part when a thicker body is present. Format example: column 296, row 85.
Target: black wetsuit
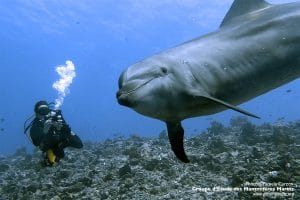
column 54, row 139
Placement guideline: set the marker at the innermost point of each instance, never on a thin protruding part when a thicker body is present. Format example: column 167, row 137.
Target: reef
column 241, row 161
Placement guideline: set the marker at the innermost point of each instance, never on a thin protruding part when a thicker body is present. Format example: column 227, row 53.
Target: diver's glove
column 49, row 123
column 58, row 125
column 65, row 129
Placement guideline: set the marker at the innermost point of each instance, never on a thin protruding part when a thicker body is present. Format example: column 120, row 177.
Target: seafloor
column 243, row 161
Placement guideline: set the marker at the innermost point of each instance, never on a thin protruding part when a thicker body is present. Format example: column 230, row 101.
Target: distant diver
column 50, row 132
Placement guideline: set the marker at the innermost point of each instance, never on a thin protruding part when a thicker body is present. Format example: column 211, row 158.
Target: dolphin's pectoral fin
column 175, row 133
column 233, row 107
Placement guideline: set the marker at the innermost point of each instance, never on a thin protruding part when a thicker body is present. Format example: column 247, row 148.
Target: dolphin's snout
column 122, row 95
column 123, row 99
column 119, row 93
column 122, row 79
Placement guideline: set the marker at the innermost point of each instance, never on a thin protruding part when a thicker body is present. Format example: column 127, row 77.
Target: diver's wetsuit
column 54, row 139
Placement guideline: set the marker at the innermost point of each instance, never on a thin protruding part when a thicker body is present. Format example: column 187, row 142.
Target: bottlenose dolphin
column 256, row 49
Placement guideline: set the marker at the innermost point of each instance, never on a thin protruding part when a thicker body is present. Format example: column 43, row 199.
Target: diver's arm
column 36, row 132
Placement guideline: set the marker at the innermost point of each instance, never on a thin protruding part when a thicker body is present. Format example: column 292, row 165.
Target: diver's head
column 41, row 108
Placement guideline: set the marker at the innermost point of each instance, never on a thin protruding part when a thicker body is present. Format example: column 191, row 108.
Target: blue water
column 102, row 38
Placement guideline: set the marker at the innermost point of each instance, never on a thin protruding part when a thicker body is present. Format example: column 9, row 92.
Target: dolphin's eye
column 164, row 70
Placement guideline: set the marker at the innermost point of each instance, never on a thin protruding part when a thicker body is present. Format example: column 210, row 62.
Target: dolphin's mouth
column 123, row 93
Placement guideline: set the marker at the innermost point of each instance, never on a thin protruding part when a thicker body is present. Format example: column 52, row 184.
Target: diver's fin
column 51, row 157
column 240, row 7
column 175, row 133
column 233, row 107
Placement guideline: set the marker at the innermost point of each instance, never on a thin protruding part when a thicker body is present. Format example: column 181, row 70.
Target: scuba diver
column 50, row 132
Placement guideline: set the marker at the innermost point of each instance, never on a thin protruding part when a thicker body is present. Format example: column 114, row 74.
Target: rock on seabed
column 222, row 158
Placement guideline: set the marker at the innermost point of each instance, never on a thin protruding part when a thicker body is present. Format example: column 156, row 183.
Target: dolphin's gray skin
column 256, row 49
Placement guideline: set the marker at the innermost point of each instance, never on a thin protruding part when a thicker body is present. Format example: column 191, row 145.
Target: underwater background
column 102, row 38
column 127, row 155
